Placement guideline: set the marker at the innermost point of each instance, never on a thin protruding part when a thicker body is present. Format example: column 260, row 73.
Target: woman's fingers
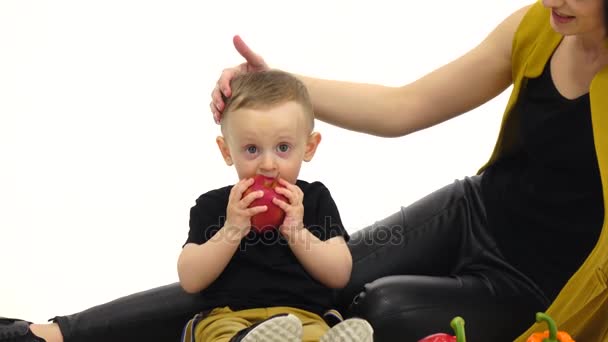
column 216, row 113
column 221, row 91
column 254, row 61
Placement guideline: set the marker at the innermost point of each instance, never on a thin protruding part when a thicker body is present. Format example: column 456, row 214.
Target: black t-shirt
column 264, row 272
column 544, row 202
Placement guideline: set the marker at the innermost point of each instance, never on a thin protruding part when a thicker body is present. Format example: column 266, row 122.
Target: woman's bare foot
column 49, row 332
column 17, row 330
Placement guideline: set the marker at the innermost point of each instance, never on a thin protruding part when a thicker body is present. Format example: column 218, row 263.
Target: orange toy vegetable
column 551, row 335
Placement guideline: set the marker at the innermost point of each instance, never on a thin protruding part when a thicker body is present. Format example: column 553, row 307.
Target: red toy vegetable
column 457, row 324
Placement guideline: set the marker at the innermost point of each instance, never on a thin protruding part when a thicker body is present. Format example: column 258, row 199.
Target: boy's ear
column 223, row 146
column 314, row 139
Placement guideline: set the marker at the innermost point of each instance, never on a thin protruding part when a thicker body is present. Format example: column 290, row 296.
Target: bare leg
column 49, row 332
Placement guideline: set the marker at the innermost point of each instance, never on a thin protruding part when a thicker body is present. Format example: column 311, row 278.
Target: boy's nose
column 268, row 164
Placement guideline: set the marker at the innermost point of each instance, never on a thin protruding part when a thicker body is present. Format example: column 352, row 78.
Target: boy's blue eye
column 283, row 148
column 252, row 149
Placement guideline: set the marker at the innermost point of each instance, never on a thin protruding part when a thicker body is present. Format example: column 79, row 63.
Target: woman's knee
column 417, row 306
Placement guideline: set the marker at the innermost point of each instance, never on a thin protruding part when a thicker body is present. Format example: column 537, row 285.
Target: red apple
column 273, row 217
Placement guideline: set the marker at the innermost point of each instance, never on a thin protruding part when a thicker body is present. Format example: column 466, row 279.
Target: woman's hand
column 253, row 62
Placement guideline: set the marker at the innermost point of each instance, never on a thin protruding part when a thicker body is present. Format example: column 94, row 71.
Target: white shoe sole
column 280, row 329
column 351, row 330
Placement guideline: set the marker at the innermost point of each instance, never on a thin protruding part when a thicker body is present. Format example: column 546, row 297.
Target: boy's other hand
column 254, row 62
column 238, row 213
column 294, row 210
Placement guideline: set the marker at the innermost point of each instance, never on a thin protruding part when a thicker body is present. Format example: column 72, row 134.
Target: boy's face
column 271, row 141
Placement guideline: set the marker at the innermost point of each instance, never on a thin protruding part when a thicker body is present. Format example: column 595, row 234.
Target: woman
column 521, row 236
column 536, row 211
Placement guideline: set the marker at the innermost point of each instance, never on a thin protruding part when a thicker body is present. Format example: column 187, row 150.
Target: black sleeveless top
column 544, row 202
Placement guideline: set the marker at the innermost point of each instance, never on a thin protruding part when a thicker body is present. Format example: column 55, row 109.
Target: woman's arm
column 464, row 84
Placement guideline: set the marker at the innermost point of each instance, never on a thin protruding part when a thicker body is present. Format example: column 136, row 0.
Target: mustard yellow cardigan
column 582, row 305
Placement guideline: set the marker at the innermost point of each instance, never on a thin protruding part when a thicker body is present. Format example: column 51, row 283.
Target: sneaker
column 16, row 330
column 350, row 330
column 332, row 317
column 278, row 328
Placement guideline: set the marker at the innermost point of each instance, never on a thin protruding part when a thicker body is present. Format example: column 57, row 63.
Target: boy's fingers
column 250, row 197
column 281, row 204
column 256, row 210
column 237, row 190
column 292, row 191
column 286, row 192
column 288, row 185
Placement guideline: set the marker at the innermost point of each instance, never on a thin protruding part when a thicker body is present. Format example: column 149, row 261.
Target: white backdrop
column 106, row 139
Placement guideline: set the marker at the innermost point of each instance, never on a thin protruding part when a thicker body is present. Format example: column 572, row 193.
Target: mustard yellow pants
column 222, row 323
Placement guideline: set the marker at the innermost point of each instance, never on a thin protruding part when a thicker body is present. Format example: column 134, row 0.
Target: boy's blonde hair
column 266, row 89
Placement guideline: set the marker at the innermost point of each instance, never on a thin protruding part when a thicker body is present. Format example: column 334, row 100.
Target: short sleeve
column 324, row 220
column 208, row 215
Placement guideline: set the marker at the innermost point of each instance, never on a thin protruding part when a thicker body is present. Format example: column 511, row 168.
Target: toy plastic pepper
column 551, row 335
column 457, row 324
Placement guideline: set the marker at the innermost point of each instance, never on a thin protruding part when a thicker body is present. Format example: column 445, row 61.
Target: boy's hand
column 238, row 213
column 294, row 210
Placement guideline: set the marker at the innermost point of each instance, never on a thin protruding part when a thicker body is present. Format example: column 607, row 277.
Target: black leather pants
column 412, row 273
column 435, row 260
